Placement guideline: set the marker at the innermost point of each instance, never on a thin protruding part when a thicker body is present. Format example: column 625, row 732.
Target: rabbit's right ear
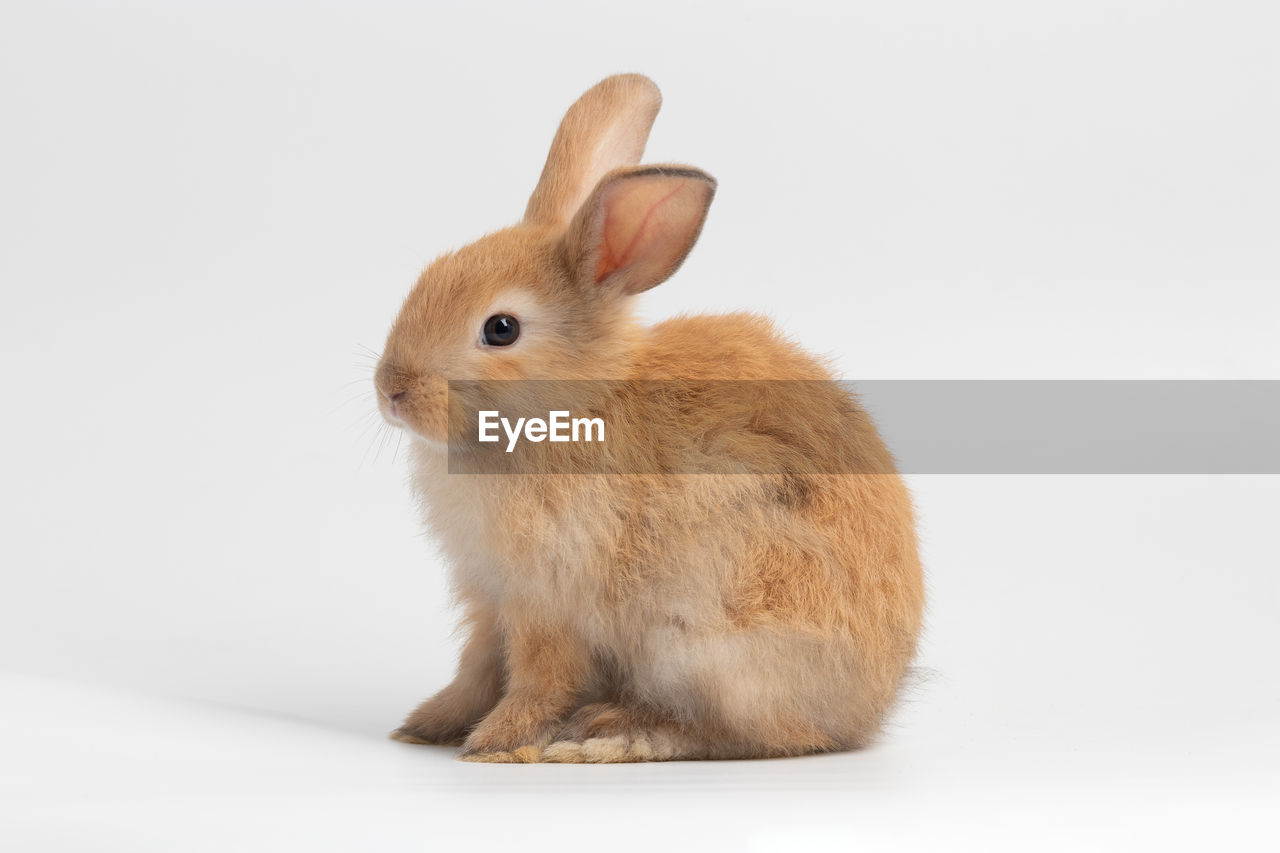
column 604, row 129
column 636, row 228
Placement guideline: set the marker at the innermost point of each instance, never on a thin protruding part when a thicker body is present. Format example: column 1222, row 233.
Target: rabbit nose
column 396, row 397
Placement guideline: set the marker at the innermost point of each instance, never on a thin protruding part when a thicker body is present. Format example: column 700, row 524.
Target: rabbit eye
column 501, row 330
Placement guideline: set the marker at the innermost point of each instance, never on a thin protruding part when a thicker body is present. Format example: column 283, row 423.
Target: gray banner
column 929, row 426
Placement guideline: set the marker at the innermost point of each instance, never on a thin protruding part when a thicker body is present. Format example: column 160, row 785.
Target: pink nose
column 397, row 397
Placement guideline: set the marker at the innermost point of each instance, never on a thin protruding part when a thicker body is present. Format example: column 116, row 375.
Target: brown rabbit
column 718, row 599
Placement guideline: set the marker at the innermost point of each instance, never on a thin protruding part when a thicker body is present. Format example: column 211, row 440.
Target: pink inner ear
column 642, row 223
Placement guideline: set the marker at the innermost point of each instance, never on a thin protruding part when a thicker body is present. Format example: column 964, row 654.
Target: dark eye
column 501, row 330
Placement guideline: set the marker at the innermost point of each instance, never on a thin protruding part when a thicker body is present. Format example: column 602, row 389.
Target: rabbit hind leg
column 611, row 733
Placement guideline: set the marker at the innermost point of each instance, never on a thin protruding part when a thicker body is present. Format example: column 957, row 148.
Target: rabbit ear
column 638, row 225
column 604, row 129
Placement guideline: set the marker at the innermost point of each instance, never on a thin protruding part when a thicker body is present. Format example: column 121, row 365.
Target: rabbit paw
column 417, row 736
column 607, row 733
column 529, row 754
column 512, row 734
column 442, row 720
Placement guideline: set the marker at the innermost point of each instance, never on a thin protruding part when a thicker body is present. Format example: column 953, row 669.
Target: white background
column 210, row 210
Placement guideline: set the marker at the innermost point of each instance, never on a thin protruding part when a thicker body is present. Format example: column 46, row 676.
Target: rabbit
column 687, row 610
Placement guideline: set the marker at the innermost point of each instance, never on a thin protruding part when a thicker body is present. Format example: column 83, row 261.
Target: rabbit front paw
column 514, row 733
column 442, row 720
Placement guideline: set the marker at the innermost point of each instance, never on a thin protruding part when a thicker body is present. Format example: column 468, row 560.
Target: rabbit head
column 549, row 298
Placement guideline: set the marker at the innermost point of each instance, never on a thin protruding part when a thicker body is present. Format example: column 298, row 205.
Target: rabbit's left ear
column 604, row 129
column 637, row 226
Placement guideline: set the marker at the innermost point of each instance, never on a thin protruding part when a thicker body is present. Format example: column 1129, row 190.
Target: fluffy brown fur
column 729, row 600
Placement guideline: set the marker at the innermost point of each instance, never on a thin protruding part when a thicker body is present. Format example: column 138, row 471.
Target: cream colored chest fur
column 539, row 544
